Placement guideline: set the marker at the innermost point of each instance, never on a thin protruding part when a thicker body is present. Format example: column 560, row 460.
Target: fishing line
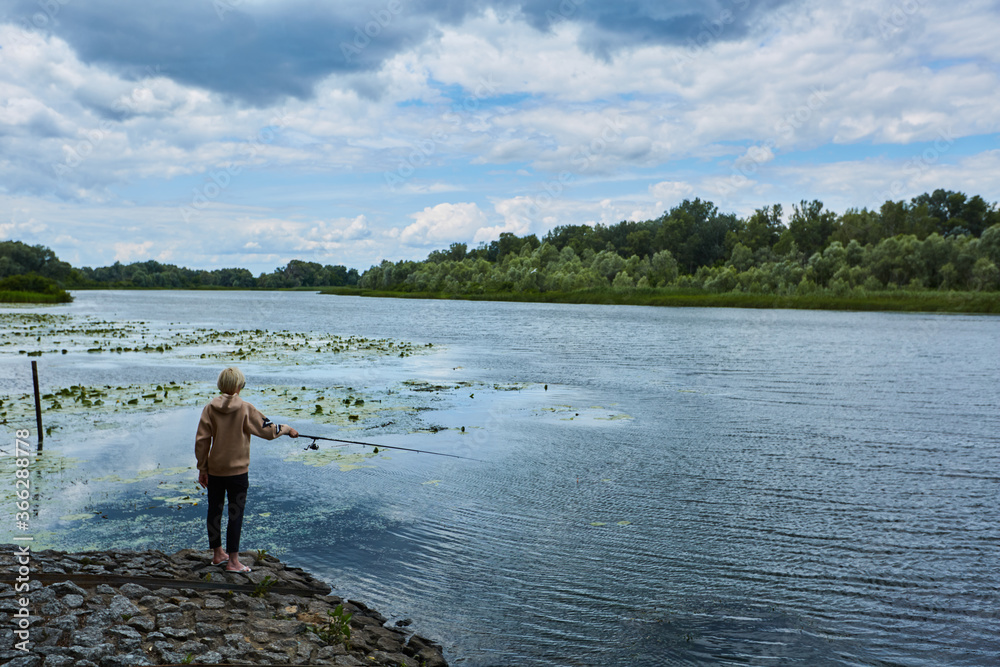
column 314, row 438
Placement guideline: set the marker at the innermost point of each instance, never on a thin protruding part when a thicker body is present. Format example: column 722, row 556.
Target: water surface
column 657, row 486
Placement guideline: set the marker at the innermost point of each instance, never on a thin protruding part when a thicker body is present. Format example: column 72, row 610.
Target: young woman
column 222, row 447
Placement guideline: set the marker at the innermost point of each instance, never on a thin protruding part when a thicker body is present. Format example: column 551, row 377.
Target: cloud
column 335, row 234
column 671, row 191
column 128, row 252
column 260, row 52
column 253, row 52
column 444, row 223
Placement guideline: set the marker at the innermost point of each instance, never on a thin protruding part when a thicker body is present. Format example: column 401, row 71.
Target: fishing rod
column 314, row 438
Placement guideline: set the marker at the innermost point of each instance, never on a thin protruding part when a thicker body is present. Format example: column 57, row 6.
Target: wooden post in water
column 38, row 403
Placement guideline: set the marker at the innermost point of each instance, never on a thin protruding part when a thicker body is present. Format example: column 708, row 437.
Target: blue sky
column 217, row 133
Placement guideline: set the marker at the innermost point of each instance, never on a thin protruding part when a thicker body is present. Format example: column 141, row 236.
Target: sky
column 246, row 133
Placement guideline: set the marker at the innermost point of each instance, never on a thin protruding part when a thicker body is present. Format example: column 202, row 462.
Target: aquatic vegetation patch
column 146, row 474
column 346, row 461
column 46, row 468
column 100, row 399
column 588, row 414
column 35, row 334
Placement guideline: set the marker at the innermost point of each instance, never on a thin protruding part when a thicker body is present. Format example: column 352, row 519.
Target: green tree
column 810, row 226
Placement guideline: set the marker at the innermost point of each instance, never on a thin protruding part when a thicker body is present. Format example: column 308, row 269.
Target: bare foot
column 219, row 556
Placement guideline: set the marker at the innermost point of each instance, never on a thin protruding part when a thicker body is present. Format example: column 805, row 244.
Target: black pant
column 236, row 487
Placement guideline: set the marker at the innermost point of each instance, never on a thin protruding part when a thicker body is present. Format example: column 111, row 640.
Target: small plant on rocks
column 338, row 628
column 263, row 589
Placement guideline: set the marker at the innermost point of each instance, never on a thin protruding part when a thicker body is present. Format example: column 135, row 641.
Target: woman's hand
column 203, row 478
column 292, row 433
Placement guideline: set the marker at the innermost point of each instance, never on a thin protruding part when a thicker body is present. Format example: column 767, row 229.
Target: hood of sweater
column 226, row 403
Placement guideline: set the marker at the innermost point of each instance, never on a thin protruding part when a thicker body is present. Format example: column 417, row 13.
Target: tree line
column 36, row 268
column 941, row 240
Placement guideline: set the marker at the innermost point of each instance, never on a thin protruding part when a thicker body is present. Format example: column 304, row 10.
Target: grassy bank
column 15, row 296
column 905, row 301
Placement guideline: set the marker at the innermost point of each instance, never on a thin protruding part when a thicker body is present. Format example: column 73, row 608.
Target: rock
column 43, row 595
column 273, row 657
column 133, row 591
column 348, row 661
column 143, row 623
column 169, row 620
column 68, row 587
column 94, row 653
column 213, row 602
column 207, row 616
column 209, row 658
column 48, row 636
column 111, row 625
column 26, row 661
column 177, row 633
column 280, row 627
column 389, row 645
column 125, row 660
column 73, row 601
column 121, row 606
column 207, row 630
column 68, row 623
column 190, row 646
column 124, row 631
column 90, row 635
column 53, row 608
column 164, row 652
column 166, row 593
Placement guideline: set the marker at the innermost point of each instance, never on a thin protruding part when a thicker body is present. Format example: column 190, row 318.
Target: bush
column 29, row 282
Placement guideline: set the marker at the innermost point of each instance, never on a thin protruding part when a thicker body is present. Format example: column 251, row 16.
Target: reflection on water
column 661, row 486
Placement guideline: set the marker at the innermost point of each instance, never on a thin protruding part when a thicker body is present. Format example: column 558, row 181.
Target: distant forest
column 939, row 241
column 19, row 262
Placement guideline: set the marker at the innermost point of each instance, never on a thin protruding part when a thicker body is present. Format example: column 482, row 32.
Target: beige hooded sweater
column 222, row 444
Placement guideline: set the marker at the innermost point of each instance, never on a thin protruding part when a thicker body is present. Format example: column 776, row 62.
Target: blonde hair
column 231, row 380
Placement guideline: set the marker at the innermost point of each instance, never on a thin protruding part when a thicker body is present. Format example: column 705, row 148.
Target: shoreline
column 123, row 608
column 979, row 303
column 927, row 301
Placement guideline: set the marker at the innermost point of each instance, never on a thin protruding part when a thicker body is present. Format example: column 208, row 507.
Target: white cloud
column 671, row 191
column 128, row 252
column 444, row 223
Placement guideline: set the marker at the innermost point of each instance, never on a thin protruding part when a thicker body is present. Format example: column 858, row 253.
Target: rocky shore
column 118, row 609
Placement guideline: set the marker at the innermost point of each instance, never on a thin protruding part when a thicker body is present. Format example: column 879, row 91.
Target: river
column 653, row 485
